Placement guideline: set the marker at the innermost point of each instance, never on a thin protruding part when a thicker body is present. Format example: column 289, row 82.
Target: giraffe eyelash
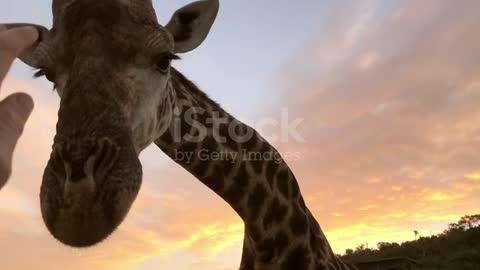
column 166, row 56
column 171, row 56
column 41, row 73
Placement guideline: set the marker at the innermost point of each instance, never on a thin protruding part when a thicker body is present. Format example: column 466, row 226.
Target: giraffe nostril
column 103, row 159
column 81, row 171
column 73, row 163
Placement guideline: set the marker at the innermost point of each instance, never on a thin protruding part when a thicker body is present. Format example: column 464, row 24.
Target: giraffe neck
column 234, row 161
column 228, row 156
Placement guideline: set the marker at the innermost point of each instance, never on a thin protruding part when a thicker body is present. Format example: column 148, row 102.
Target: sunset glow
column 389, row 95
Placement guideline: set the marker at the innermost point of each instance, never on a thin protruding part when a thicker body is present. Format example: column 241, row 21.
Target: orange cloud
column 474, row 176
column 441, row 196
column 390, row 102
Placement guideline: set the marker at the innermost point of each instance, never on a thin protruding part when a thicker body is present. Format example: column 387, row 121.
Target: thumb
column 14, row 112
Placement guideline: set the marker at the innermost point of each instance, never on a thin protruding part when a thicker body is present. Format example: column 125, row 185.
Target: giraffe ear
column 191, row 24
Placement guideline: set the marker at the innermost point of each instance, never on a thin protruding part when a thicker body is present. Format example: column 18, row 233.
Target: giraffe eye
column 163, row 64
column 164, row 60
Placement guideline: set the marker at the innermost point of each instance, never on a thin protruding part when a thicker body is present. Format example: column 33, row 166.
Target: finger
column 12, row 43
column 18, row 39
column 14, row 112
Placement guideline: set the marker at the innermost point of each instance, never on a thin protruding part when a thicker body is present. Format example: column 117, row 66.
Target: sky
column 388, row 95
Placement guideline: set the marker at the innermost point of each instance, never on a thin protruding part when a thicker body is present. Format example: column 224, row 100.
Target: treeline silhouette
column 456, row 248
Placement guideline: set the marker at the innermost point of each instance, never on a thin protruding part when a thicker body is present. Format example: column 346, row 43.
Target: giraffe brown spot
column 256, row 200
column 266, row 147
column 222, row 169
column 315, row 226
column 276, row 212
column 270, row 173
column 283, row 183
column 240, row 130
column 201, row 118
column 187, row 147
column 281, row 241
column 316, row 237
column 251, row 143
column 180, row 94
column 266, row 250
column 232, row 144
column 227, row 167
column 272, row 247
column 323, row 242
column 254, row 232
column 166, row 137
column 261, row 158
column 242, row 172
column 297, row 259
column 225, row 133
column 185, row 127
column 194, row 132
column 214, row 183
column 313, row 241
column 238, row 188
column 295, row 189
column 210, row 144
column 248, row 258
column 298, row 222
column 257, row 166
column 200, row 168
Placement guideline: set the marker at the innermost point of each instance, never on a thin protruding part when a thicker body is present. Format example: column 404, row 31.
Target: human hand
column 15, row 109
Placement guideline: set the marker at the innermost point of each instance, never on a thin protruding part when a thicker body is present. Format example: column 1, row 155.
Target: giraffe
column 110, row 62
column 280, row 231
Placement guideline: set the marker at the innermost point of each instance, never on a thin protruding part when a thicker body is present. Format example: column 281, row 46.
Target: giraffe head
column 109, row 61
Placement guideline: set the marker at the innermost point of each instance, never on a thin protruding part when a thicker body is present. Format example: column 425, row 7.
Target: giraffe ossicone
column 110, row 63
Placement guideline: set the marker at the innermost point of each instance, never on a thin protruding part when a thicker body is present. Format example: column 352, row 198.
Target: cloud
column 390, row 99
column 474, row 176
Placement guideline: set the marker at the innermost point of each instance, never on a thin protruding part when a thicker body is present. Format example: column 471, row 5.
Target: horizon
column 386, row 94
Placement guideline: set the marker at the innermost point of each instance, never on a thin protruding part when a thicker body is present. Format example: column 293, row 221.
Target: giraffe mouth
column 81, row 208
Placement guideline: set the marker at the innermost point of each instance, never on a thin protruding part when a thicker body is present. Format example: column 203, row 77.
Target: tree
column 455, row 227
column 465, row 223
column 469, row 222
column 360, row 248
column 383, row 246
column 456, row 248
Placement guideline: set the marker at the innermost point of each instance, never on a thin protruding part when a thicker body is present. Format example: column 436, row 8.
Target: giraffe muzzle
column 88, row 189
